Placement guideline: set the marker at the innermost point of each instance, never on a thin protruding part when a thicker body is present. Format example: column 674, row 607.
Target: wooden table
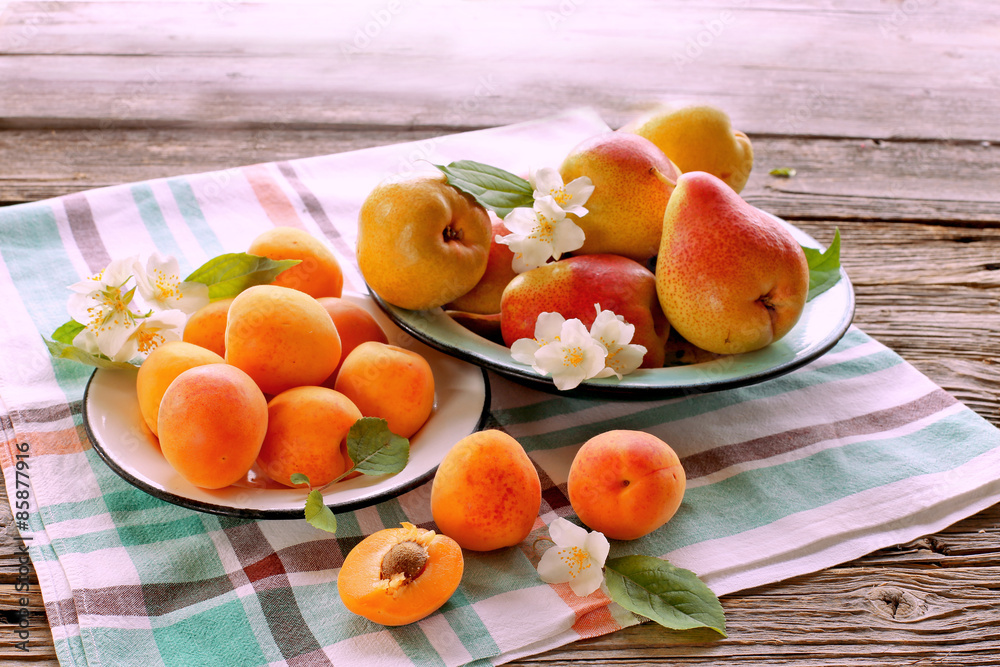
column 888, row 111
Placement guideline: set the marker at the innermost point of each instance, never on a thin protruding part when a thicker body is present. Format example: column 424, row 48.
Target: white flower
column 153, row 331
column 103, row 304
column 540, row 233
column 577, row 559
column 569, row 197
column 574, row 356
column 548, row 326
column 614, row 334
column 160, row 285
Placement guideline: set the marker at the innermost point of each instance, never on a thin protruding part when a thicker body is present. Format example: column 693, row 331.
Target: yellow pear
column 421, row 241
column 729, row 277
column 632, row 181
column 698, row 137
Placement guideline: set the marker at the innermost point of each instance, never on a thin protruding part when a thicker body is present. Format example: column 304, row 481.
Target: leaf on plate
column 672, row 596
column 375, row 449
column 318, row 514
column 824, row 267
column 784, row 172
column 67, row 332
column 492, row 187
column 67, row 351
column 230, row 273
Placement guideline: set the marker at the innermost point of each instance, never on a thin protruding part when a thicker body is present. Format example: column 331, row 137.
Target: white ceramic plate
column 824, row 321
column 120, row 436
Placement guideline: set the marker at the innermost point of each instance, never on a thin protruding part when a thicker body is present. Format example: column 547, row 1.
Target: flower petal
column 598, row 547
column 565, row 533
column 587, row 580
column 523, row 350
column 552, row 568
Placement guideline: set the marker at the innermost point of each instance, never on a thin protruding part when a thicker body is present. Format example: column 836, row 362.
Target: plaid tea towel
column 850, row 453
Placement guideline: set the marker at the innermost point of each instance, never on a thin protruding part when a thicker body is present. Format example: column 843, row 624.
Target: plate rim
column 625, row 391
column 253, row 513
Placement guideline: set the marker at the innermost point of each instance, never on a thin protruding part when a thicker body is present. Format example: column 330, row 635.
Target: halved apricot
column 400, row 575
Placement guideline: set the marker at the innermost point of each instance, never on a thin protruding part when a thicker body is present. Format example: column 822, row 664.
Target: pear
column 729, row 277
column 572, row 286
column 698, row 137
column 632, row 181
column 422, row 242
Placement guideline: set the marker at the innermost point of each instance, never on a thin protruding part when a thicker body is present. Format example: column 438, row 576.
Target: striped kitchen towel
column 853, row 452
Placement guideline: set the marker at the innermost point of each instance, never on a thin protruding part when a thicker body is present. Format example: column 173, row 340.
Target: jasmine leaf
column 824, row 267
column 229, row 274
column 67, row 332
column 318, row 514
column 492, row 187
column 673, row 597
column 784, row 172
column 375, row 449
column 61, row 350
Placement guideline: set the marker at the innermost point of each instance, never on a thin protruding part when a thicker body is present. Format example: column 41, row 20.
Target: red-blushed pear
column 421, row 241
column 729, row 277
column 573, row 285
column 632, row 181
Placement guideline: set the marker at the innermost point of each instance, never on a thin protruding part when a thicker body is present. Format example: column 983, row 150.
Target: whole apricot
column 160, row 368
column 211, row 424
column 306, row 429
column 389, row 382
column 486, row 492
column 355, row 326
column 400, row 575
column 625, row 484
column 281, row 337
column 318, row 272
column 206, row 327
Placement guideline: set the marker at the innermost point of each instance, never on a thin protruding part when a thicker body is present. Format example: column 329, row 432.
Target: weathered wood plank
column 933, row 74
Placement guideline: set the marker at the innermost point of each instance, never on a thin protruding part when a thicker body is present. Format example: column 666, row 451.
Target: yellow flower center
column 166, row 285
column 545, row 230
column 149, row 339
column 573, row 356
column 576, row 559
column 111, row 310
column 560, row 195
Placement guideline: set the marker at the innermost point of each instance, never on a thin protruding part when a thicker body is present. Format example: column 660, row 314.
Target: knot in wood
column 895, row 603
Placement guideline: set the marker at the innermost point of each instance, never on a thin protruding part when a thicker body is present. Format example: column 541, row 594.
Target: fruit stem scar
column 452, row 234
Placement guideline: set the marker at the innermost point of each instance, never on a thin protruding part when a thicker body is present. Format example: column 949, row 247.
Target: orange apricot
column 355, row 326
column 306, row 431
column 400, row 575
column 625, row 484
column 206, row 327
column 318, row 273
column 486, row 492
column 211, row 424
column 281, row 337
column 160, row 368
column 389, row 382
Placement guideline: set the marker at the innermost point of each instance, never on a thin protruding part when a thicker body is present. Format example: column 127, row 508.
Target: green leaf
column 229, row 274
column 66, row 351
column 492, row 187
column 784, row 172
column 299, row 478
column 318, row 514
column 824, row 267
column 673, row 597
column 67, row 332
column 375, row 449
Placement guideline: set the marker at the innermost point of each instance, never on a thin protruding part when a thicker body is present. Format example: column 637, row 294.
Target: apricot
column 160, row 368
column 486, row 493
column 625, row 484
column 306, row 431
column 389, row 382
column 206, row 327
column 318, row 273
column 211, row 424
column 400, row 575
column 281, row 337
column 355, row 326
